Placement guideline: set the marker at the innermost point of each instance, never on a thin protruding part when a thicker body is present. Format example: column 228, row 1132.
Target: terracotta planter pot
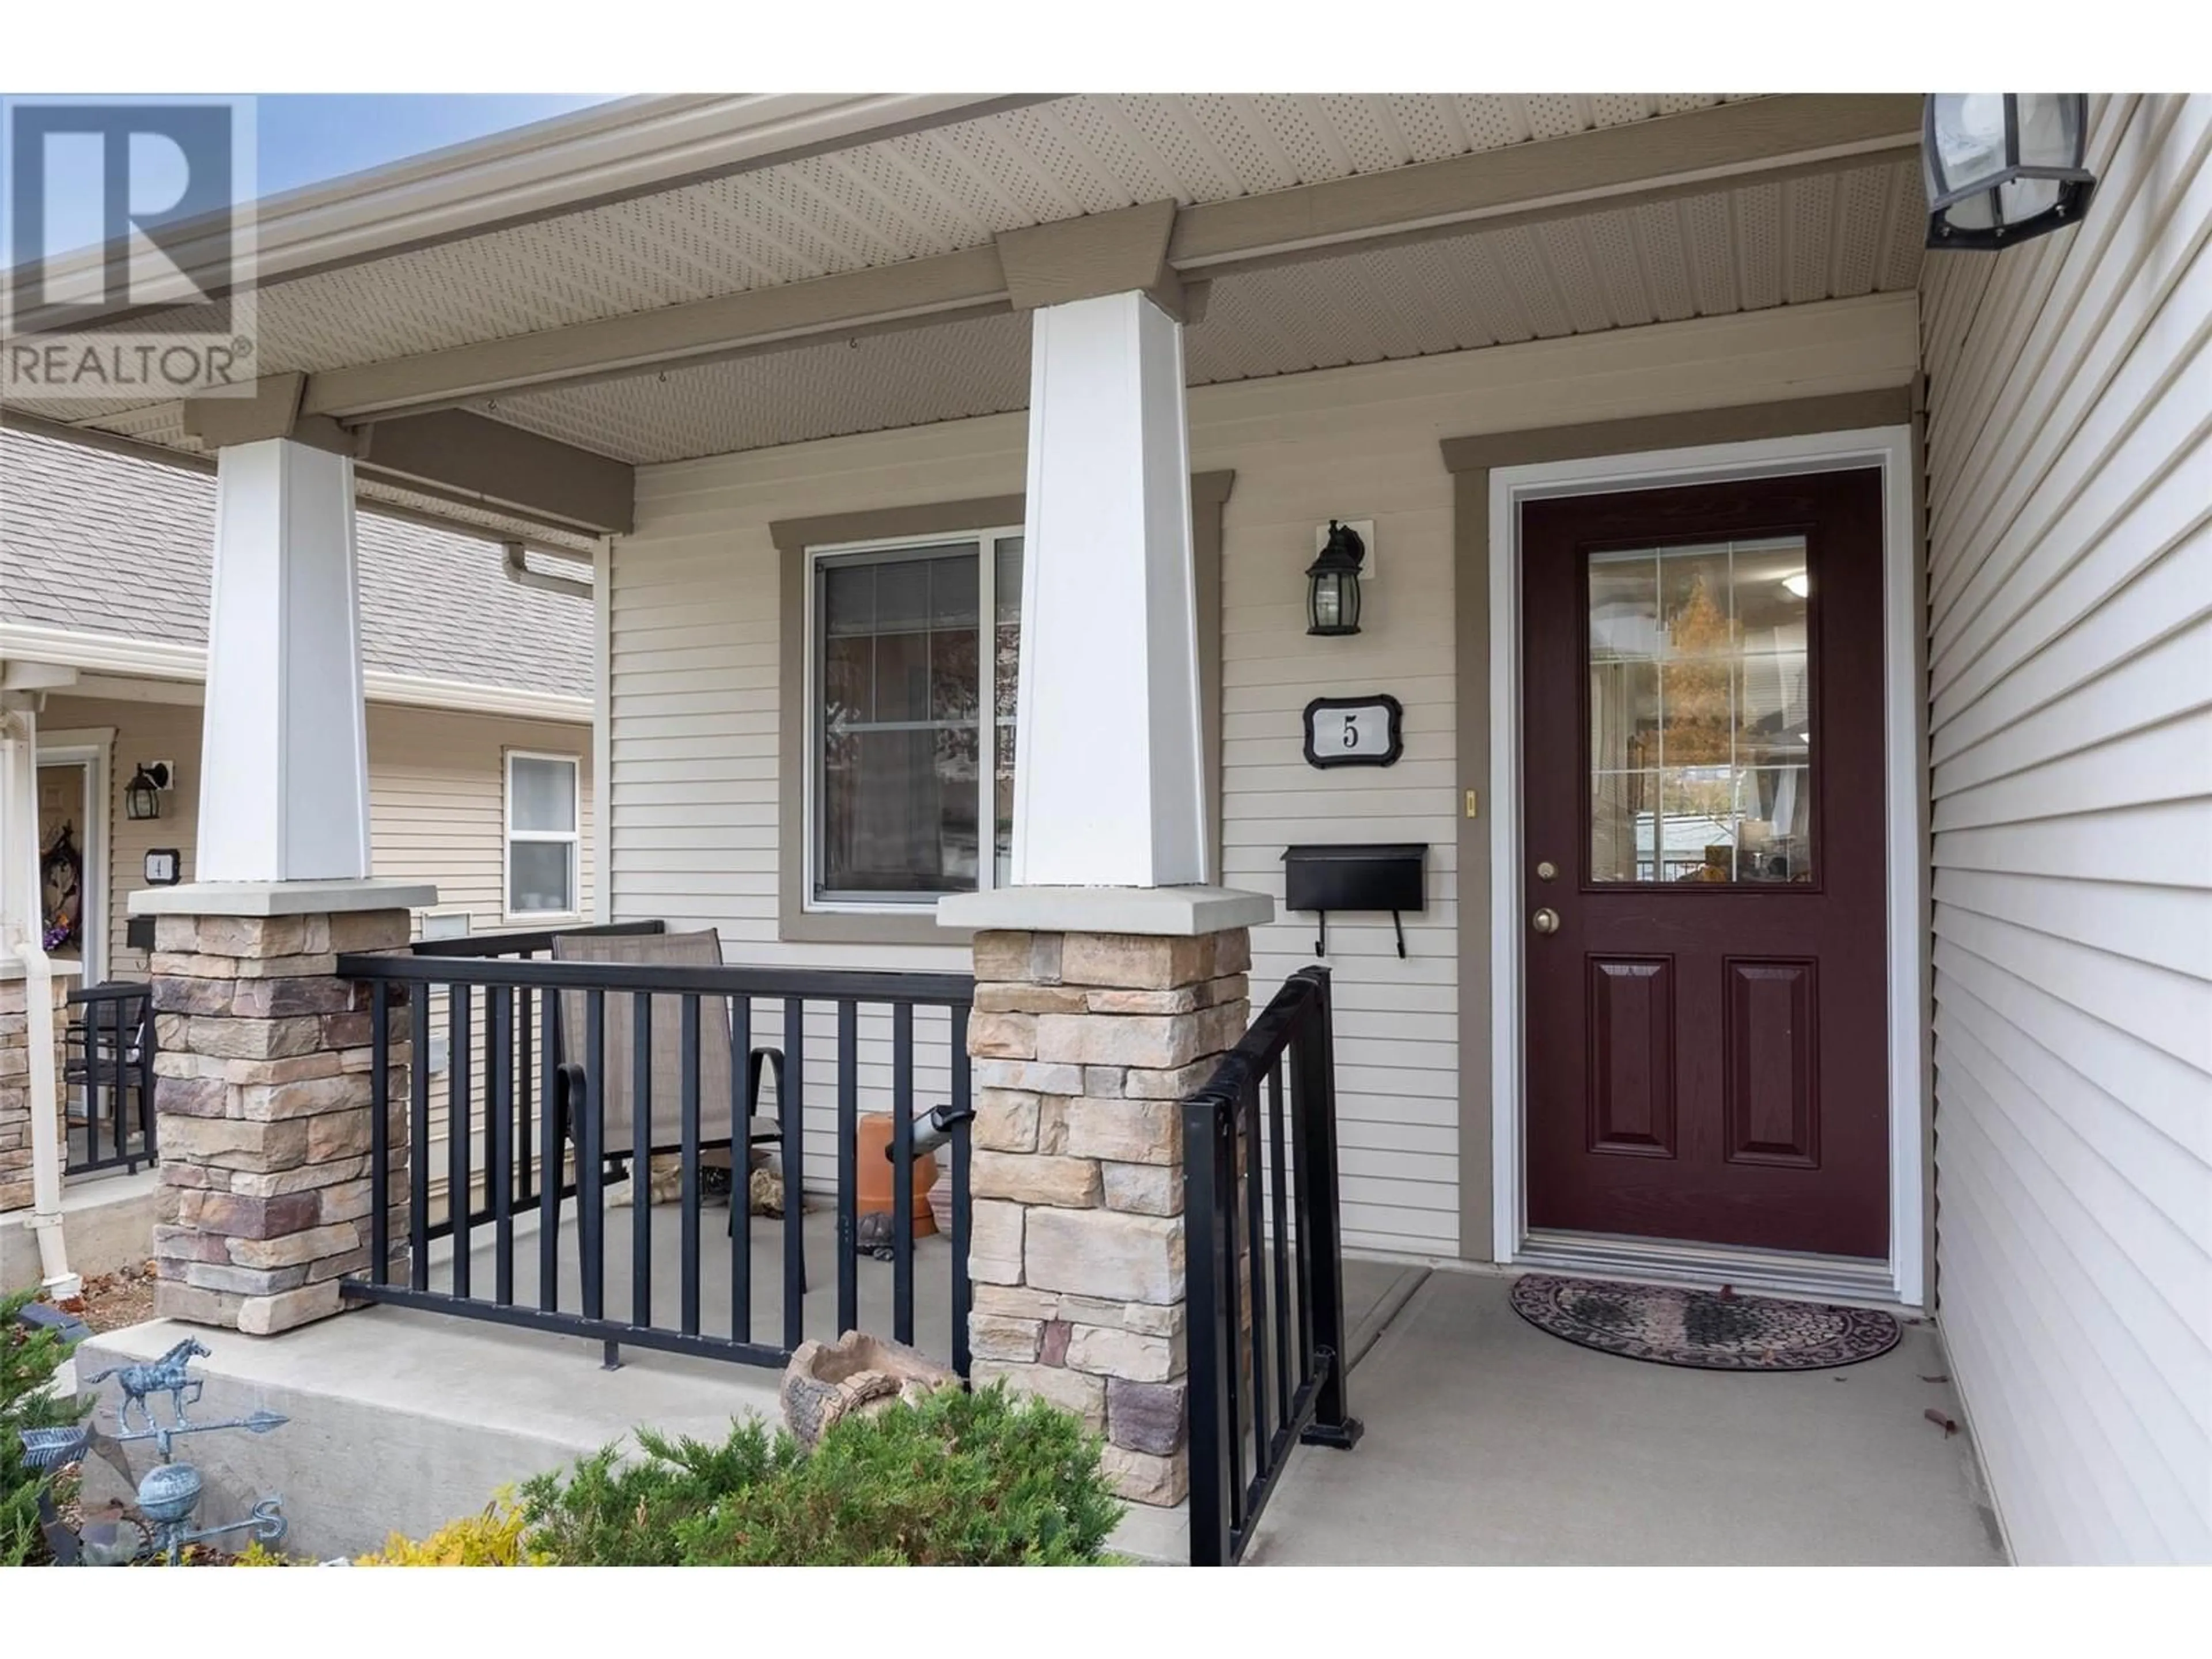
column 874, row 1186
column 940, row 1201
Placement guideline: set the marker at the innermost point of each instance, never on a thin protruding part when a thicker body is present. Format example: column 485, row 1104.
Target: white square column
column 283, row 791
column 1107, row 784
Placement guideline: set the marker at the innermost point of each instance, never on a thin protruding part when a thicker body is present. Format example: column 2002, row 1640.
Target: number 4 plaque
column 1354, row 731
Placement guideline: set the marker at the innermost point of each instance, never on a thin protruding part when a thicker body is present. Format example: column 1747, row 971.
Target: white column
column 283, row 786
column 1108, row 790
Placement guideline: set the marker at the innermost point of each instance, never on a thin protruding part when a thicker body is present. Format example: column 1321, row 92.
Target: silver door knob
column 1546, row 920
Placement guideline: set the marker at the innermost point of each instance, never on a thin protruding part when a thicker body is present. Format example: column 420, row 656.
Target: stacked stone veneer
column 263, row 1092
column 15, row 1188
column 1084, row 1045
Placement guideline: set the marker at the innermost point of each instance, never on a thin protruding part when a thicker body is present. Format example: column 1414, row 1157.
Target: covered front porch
column 1058, row 404
column 1490, row 1442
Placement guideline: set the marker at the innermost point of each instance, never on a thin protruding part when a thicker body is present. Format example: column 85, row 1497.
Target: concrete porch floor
column 1491, row 1442
column 403, row 1419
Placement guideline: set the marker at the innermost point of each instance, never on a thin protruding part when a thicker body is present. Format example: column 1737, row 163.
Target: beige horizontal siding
column 694, row 792
column 435, row 803
column 436, row 814
column 2070, row 730
column 144, row 732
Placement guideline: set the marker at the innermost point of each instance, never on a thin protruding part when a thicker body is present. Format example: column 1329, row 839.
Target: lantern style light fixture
column 1332, row 583
column 142, row 796
column 2003, row 167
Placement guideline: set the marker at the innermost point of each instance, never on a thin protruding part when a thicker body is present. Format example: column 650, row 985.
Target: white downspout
column 20, row 937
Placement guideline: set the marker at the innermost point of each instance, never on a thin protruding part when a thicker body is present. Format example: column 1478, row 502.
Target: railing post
column 1209, row 1166
column 1314, row 1062
column 148, row 1046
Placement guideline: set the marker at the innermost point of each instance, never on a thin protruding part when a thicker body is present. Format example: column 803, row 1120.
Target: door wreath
column 61, row 880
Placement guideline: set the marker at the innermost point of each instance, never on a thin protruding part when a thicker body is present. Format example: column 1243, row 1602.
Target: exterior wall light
column 1332, row 583
column 142, row 796
column 2003, row 167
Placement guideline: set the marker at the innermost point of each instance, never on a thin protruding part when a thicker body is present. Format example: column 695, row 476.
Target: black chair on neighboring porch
column 107, row 1070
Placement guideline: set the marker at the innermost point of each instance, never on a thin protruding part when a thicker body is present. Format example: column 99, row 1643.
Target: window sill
column 906, row 925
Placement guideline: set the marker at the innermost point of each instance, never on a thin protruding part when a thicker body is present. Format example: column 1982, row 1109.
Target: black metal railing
column 584, row 1061
column 1266, row 1269
column 107, row 1077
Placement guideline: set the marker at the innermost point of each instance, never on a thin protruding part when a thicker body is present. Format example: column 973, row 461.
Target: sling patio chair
column 617, row 1122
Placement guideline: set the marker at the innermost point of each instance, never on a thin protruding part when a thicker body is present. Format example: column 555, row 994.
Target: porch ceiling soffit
column 1526, row 182
column 610, row 153
column 1738, row 247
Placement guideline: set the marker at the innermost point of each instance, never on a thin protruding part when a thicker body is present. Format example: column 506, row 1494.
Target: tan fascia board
column 570, row 163
column 166, row 659
column 1119, row 252
column 1706, row 148
column 268, row 408
column 1616, row 167
column 501, row 465
column 260, row 410
column 185, row 460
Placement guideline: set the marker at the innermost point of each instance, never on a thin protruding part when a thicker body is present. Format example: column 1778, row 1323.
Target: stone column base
column 15, row 1062
column 1085, row 1044
column 263, row 1090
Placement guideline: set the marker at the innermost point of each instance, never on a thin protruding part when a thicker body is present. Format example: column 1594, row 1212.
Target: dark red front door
column 1702, row 720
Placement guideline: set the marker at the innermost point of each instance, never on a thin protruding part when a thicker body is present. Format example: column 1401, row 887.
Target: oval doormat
column 1702, row 1329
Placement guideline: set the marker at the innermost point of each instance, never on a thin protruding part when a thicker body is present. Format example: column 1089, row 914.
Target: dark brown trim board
column 793, row 537
column 1471, row 461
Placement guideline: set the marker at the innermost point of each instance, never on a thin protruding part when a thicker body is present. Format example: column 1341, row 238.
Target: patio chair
column 98, row 1059
column 617, row 1134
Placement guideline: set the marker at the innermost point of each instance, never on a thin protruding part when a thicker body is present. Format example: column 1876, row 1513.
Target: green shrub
column 973, row 1479
column 29, row 1360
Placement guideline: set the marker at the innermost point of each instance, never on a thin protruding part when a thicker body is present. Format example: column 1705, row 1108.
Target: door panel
column 1632, row 1052
column 1702, row 734
column 1773, row 1090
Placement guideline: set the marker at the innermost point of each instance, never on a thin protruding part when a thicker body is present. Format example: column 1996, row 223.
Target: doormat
column 1706, row 1330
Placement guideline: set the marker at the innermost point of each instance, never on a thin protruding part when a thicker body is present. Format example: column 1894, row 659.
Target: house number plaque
column 1354, row 731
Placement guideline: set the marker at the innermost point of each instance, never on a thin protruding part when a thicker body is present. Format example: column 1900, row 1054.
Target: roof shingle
column 111, row 544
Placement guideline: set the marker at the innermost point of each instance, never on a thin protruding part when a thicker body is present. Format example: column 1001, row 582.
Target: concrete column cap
column 1159, row 912
column 280, row 898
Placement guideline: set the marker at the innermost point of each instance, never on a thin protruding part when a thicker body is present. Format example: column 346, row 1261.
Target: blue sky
column 305, row 138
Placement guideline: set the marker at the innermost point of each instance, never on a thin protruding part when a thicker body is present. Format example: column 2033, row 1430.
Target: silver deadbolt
column 1547, row 871
column 1546, row 920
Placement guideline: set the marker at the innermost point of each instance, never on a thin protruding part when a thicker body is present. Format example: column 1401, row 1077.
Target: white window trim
column 509, row 834
column 986, row 539
column 1890, row 449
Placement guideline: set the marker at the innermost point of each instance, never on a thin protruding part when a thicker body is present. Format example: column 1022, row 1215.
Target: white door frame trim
column 1890, row 449
column 94, row 747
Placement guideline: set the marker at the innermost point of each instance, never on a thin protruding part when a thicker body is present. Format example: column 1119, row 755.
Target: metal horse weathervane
column 167, row 1376
column 170, row 1491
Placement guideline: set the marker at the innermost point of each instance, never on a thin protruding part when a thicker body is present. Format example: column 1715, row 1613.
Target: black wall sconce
column 1332, row 582
column 2003, row 167
column 142, row 796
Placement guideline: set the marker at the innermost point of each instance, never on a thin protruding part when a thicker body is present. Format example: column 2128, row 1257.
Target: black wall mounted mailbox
column 1389, row 876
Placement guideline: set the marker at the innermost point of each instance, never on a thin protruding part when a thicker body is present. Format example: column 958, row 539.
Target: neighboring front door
column 1702, row 747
